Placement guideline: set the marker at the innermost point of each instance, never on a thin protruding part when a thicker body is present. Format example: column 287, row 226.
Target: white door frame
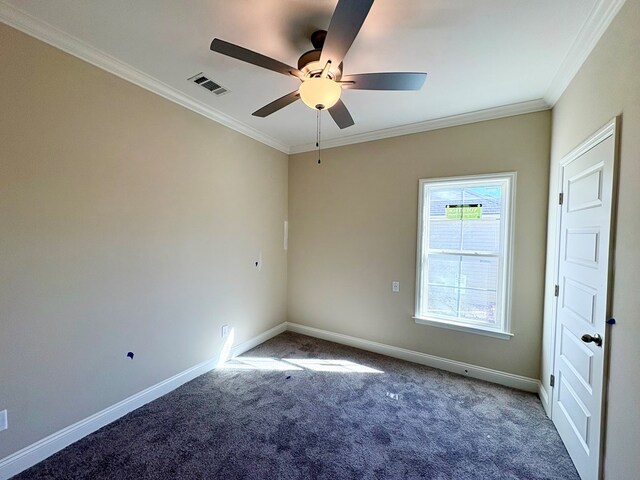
column 612, row 128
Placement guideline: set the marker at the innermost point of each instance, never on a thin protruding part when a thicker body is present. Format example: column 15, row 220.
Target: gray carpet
column 267, row 418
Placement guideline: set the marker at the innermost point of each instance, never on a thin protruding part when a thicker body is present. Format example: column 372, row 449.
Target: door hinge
column 556, row 291
column 560, row 198
column 552, row 380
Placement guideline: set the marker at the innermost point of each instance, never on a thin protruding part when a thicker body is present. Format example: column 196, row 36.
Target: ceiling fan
column 320, row 70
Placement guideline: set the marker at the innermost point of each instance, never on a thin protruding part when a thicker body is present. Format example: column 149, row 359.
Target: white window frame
column 505, row 256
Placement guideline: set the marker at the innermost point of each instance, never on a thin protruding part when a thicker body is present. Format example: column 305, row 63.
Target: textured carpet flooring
column 327, row 412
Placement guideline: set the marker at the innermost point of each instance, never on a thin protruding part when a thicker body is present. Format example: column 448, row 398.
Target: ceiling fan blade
column 249, row 56
column 277, row 104
column 346, row 22
column 341, row 115
column 385, row 81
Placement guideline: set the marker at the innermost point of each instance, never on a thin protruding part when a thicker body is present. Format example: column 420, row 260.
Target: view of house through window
column 464, row 252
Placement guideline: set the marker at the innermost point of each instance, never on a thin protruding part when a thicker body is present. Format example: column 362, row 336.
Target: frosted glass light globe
column 320, row 93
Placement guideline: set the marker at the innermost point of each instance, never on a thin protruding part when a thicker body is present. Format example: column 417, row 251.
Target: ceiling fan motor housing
column 309, row 62
column 321, row 73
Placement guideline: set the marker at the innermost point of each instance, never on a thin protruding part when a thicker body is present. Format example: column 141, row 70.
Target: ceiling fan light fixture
column 320, row 93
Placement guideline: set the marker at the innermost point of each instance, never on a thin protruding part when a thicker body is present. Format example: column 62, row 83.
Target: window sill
column 464, row 328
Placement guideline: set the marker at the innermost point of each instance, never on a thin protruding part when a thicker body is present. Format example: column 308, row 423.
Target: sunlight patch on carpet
column 284, row 364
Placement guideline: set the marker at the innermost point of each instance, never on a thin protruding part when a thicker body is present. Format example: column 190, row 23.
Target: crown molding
column 434, row 124
column 601, row 16
column 598, row 21
column 47, row 33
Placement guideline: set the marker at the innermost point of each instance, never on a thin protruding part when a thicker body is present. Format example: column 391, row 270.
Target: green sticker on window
column 471, row 211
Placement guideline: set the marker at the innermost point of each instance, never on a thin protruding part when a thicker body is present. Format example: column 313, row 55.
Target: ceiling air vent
column 208, row 84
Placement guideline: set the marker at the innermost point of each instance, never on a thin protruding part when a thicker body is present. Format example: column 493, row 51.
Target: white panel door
column 582, row 305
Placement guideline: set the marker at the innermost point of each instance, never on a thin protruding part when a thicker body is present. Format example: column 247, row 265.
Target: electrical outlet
column 4, row 424
column 225, row 330
column 395, row 286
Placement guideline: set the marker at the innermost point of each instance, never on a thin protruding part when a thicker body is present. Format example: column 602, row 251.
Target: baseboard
column 544, row 399
column 258, row 339
column 467, row 369
column 29, row 456
column 38, row 451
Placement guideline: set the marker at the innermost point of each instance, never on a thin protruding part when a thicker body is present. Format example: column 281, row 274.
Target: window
column 465, row 230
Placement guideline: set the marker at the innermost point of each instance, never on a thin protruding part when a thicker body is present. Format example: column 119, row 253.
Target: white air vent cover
column 208, row 84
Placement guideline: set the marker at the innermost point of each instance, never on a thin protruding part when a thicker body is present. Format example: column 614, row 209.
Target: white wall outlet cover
column 395, row 286
column 225, row 330
column 4, row 424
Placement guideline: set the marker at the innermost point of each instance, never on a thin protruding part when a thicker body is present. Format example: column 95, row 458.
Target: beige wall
column 607, row 85
column 352, row 224
column 130, row 223
column 126, row 223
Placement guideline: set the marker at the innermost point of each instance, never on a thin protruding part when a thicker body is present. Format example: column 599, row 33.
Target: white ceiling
column 478, row 54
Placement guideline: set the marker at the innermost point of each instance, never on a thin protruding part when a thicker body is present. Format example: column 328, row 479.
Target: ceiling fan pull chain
column 320, row 69
column 318, row 133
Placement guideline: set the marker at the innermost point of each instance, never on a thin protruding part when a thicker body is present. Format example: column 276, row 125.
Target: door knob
column 597, row 339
